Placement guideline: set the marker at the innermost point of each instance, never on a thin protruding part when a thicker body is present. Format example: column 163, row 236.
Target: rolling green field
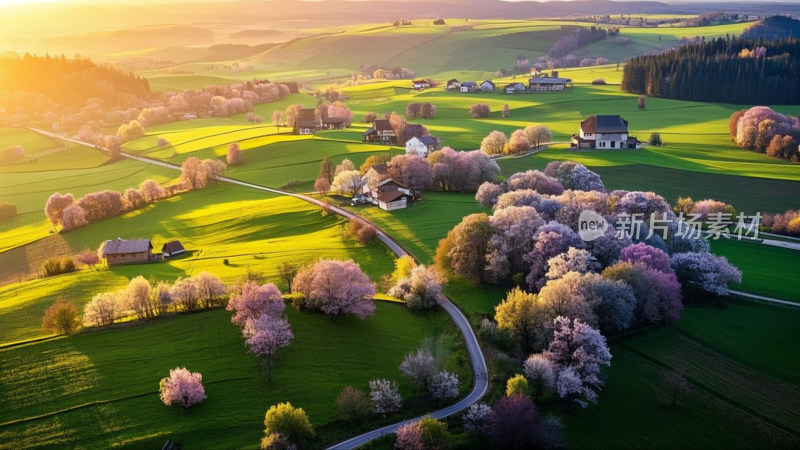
column 100, row 390
column 766, row 269
column 244, row 226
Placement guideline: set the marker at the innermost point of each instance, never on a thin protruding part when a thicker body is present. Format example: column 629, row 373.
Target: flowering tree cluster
column 763, row 130
column 787, row 223
column 575, row 176
column 427, row 433
column 64, row 210
column 145, row 300
column 421, row 289
column 197, row 174
column 335, row 288
column 182, row 388
column 418, row 110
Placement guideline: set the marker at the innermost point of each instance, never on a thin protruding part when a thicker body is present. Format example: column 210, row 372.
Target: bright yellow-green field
column 223, row 222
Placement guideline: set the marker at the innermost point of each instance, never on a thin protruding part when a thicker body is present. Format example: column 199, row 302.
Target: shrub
column 290, row 422
column 352, row 404
column 360, row 230
column 56, row 265
column 182, row 388
column 599, row 81
column 479, row 110
column 61, row 318
column 87, row 257
column 7, row 210
column 655, row 139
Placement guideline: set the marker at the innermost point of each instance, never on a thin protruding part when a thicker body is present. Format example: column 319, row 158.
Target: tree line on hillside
column 64, row 210
column 69, row 81
column 78, row 97
column 732, row 70
column 774, row 27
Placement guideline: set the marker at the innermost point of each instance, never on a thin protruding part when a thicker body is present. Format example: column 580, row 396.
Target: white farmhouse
column 421, row 145
column 604, row 132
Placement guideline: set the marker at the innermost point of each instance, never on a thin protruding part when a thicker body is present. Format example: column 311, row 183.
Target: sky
column 18, row 2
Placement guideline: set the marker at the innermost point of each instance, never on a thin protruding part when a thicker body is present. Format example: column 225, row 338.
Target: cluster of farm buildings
column 538, row 82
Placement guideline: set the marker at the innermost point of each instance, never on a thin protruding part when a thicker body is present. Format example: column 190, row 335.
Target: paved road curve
column 476, row 355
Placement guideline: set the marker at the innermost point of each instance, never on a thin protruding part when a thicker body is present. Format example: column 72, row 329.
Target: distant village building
column 469, row 86
column 381, row 132
column 172, row 248
column 388, row 195
column 128, row 251
column 306, row 123
column 515, row 88
column 488, row 86
column 421, row 145
column 604, row 132
column 333, row 123
column 544, row 83
column 421, row 84
column 453, row 85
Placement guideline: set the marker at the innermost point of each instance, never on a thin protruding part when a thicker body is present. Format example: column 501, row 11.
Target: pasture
column 223, row 222
column 100, row 389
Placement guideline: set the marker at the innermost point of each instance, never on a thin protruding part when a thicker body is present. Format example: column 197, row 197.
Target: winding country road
column 473, row 347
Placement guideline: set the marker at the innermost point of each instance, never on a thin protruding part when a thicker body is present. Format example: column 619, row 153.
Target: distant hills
column 774, row 27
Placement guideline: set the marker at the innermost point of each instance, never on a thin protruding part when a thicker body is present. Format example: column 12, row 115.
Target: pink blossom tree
column 73, row 217
column 580, row 349
column 209, row 289
column 550, row 240
column 658, row 294
column 55, row 206
column 182, row 388
column 494, row 144
column 421, row 289
column 265, row 335
column 652, row 257
column 335, row 288
column 705, row 271
column 511, row 239
column 519, row 142
column 151, row 190
column 255, row 300
column 409, row 437
column 536, row 180
column 488, row 193
column 411, row 170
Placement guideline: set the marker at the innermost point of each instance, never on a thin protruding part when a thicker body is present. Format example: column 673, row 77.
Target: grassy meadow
column 100, row 390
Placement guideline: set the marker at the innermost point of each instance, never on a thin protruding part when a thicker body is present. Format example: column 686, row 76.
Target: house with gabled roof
column 128, row 251
column 307, row 122
column 421, row 84
column 383, row 191
column 381, row 132
column 515, row 88
column 604, row 132
column 453, row 85
column 469, row 86
column 172, row 248
column 543, row 83
column 421, row 146
column 488, row 86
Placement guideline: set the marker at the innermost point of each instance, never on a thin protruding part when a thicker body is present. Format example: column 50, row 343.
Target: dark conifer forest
column 731, row 70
